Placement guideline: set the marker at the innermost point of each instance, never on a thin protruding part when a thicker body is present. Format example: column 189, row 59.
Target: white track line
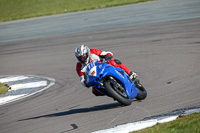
column 7, row 99
column 11, row 79
column 29, row 85
column 135, row 126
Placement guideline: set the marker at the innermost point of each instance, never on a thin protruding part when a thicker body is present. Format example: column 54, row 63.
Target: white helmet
column 82, row 53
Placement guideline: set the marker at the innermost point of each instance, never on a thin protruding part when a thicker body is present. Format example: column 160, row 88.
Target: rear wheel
column 119, row 95
column 142, row 91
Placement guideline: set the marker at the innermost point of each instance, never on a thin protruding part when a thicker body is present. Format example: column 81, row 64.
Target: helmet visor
column 83, row 57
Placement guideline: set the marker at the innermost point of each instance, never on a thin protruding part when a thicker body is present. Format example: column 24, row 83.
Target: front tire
column 116, row 95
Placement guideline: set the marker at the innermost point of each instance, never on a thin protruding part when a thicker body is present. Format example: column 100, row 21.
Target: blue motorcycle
column 114, row 82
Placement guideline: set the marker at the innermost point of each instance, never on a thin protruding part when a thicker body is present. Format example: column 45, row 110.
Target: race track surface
column 165, row 54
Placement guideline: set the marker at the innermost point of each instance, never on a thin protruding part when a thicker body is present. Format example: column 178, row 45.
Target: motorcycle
column 114, row 82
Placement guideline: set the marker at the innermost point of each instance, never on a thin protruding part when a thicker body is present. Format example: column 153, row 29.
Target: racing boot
column 133, row 75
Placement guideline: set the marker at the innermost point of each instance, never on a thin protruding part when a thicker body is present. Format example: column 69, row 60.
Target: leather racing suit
column 95, row 55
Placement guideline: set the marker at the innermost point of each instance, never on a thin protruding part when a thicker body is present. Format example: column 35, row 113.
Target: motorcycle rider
column 85, row 55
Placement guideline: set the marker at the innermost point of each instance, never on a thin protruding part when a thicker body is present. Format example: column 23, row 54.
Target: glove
column 85, row 84
column 108, row 57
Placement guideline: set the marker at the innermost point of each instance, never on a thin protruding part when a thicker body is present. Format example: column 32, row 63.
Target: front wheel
column 121, row 97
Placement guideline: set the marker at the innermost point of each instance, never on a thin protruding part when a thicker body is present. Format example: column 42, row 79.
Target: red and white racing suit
column 94, row 56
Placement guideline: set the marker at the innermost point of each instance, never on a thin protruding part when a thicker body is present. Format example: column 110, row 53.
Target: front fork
column 102, row 84
column 115, row 84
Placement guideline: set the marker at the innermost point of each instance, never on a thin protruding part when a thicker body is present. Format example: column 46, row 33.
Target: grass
column 3, row 88
column 20, row 9
column 186, row 124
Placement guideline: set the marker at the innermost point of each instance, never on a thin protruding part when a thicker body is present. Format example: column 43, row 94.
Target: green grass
column 187, row 124
column 3, row 88
column 20, row 9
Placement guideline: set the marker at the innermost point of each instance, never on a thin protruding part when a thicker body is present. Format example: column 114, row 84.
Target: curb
column 150, row 121
column 22, row 86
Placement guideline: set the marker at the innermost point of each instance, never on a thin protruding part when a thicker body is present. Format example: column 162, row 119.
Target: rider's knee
column 96, row 93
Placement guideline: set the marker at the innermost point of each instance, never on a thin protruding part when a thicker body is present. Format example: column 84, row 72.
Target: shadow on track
column 76, row 111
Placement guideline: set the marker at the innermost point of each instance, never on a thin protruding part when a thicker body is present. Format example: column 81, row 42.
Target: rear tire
column 121, row 99
column 142, row 92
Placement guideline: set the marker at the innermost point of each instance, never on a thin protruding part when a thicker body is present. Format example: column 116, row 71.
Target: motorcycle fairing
column 103, row 70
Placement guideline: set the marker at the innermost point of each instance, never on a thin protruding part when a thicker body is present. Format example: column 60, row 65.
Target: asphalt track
column 164, row 50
